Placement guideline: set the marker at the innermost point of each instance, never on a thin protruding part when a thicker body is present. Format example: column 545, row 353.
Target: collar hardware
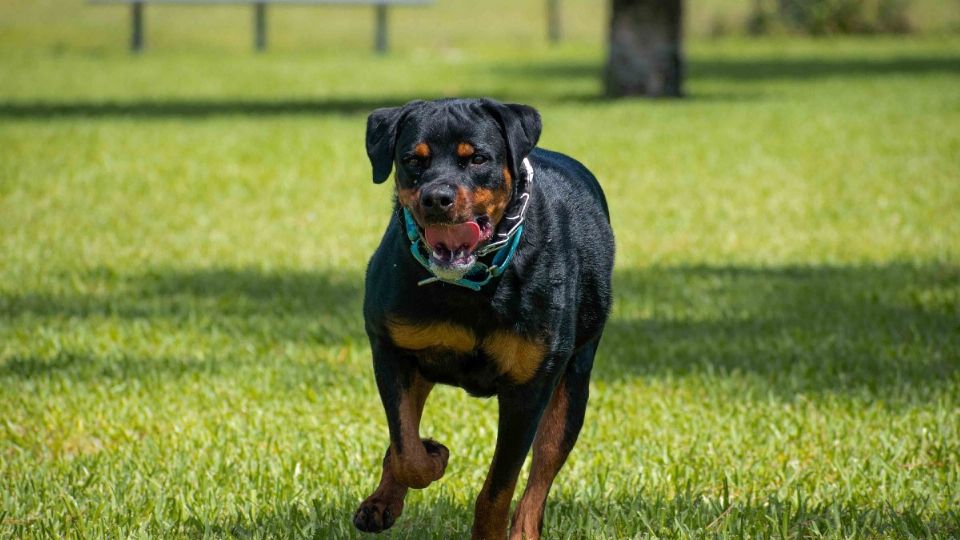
column 505, row 246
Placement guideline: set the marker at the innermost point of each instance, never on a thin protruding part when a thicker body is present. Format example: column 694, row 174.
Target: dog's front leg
column 520, row 412
column 410, row 462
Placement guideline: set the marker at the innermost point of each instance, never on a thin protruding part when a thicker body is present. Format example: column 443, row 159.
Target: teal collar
column 505, row 247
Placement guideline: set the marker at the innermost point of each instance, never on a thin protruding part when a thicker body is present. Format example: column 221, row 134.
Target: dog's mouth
column 453, row 246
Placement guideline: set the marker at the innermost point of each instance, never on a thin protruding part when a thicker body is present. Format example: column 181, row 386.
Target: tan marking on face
column 492, row 202
column 465, row 150
column 515, row 356
column 439, row 335
column 408, row 197
column 421, row 150
column 462, row 206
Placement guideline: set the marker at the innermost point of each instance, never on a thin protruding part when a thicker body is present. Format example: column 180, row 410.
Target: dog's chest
column 452, row 351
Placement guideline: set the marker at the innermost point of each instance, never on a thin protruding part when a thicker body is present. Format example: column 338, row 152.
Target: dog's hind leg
column 521, row 408
column 556, row 436
column 409, row 462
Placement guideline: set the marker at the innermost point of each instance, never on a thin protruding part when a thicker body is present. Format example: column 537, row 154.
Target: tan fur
column 413, row 466
column 408, row 197
column 441, row 335
column 516, row 356
column 548, row 458
column 491, row 514
column 421, row 150
column 465, row 150
column 461, row 206
column 388, row 496
column 491, row 202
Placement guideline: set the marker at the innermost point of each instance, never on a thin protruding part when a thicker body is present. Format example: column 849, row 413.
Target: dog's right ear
column 382, row 127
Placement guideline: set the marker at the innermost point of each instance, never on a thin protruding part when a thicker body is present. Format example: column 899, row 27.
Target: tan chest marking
column 442, row 335
column 515, row 356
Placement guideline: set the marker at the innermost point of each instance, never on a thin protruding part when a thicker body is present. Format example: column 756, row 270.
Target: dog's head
column 457, row 162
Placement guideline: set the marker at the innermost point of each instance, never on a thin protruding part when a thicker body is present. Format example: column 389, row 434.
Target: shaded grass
column 718, row 69
column 887, row 331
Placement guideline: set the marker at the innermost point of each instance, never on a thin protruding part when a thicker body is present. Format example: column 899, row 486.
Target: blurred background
column 184, row 231
column 443, row 25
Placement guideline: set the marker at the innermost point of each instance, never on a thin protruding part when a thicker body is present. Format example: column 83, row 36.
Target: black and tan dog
column 493, row 275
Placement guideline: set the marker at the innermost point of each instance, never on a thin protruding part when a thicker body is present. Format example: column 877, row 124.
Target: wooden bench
column 260, row 16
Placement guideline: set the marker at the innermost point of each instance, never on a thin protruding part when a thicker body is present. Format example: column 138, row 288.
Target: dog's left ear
column 521, row 129
column 382, row 126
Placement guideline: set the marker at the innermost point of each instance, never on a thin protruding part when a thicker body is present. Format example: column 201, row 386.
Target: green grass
column 183, row 236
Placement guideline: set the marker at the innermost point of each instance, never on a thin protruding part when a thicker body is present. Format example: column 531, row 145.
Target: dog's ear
column 521, row 127
column 382, row 128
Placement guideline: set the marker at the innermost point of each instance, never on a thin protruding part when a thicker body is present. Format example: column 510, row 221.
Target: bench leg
column 380, row 39
column 553, row 21
column 136, row 20
column 260, row 26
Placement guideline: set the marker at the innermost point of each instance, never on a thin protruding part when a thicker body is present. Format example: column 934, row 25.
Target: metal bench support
column 554, row 31
column 381, row 36
column 136, row 34
column 260, row 26
column 380, row 39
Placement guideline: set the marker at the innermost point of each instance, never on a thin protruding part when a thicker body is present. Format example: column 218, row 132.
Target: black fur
column 555, row 291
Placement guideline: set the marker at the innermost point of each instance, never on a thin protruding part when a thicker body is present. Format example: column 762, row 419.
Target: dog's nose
column 437, row 199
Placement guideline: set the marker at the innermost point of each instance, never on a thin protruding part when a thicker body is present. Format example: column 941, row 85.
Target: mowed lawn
column 183, row 237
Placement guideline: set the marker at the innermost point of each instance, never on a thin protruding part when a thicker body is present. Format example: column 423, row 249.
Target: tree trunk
column 645, row 49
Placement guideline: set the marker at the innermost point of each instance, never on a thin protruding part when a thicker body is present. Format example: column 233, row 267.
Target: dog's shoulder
column 569, row 219
column 565, row 180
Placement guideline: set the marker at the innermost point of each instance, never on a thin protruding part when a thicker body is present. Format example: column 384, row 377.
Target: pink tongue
column 454, row 237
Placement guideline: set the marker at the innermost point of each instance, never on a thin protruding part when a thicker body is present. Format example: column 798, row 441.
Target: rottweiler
column 494, row 275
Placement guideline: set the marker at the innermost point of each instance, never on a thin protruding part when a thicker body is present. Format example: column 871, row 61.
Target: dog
column 494, row 275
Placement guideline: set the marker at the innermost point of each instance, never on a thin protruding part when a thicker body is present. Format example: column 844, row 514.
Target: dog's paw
column 377, row 514
column 440, row 455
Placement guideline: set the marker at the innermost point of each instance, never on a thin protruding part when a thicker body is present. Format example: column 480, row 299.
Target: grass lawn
column 183, row 237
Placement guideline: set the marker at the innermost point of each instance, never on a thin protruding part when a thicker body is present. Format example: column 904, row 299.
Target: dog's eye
column 413, row 161
column 478, row 159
